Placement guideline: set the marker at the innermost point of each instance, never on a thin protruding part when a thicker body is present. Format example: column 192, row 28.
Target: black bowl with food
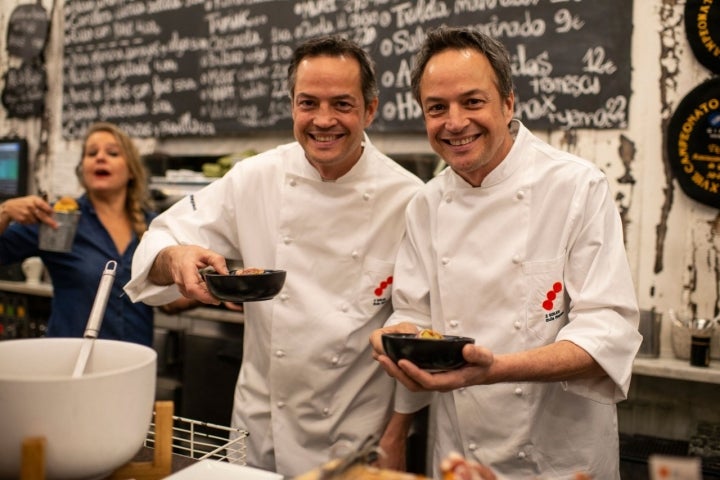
column 248, row 285
column 432, row 354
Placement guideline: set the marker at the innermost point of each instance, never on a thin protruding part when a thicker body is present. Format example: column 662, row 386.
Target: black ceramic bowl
column 432, row 354
column 245, row 288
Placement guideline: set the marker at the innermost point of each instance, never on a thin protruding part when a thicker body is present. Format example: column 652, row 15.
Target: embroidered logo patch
column 549, row 303
column 380, row 290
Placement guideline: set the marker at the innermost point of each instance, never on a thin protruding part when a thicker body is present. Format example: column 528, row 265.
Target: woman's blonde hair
column 137, row 200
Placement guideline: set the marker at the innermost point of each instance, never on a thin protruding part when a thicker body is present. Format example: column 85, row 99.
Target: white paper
column 663, row 467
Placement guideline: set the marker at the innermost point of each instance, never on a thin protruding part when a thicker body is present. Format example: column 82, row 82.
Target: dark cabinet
column 198, row 364
column 210, row 370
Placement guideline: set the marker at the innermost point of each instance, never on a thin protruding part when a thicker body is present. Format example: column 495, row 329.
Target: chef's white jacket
column 533, row 256
column 308, row 385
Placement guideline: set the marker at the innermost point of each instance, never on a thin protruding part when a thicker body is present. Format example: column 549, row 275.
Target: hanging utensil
column 676, row 320
column 96, row 316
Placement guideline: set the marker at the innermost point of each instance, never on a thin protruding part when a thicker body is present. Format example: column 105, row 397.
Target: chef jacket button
column 335, row 360
column 293, row 182
column 521, row 455
column 283, row 296
column 516, row 259
column 517, row 325
column 355, row 254
column 326, row 411
column 472, row 447
column 448, row 199
column 279, row 353
column 520, row 195
column 518, row 391
column 445, row 260
column 281, row 404
column 287, row 239
column 366, row 196
column 344, row 307
column 453, row 323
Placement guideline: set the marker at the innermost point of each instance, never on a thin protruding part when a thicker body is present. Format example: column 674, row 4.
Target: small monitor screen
column 13, row 168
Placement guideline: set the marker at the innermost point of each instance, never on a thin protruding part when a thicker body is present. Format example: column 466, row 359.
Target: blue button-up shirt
column 76, row 277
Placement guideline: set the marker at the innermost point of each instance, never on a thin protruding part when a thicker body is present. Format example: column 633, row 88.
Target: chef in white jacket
column 329, row 210
column 520, row 246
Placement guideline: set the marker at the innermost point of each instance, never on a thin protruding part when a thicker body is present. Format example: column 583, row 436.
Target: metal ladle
column 96, row 316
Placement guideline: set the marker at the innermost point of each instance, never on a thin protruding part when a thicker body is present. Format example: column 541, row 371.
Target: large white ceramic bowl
column 93, row 424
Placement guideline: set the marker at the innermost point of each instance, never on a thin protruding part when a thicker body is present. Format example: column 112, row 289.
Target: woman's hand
column 27, row 210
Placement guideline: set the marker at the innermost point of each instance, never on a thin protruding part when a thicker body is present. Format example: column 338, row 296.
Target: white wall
column 675, row 269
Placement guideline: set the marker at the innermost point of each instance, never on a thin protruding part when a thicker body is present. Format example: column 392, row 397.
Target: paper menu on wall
column 63, row 178
column 664, row 467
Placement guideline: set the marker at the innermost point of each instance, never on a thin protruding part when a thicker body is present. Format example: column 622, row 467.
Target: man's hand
column 181, row 265
column 416, row 379
column 455, row 467
column 376, row 336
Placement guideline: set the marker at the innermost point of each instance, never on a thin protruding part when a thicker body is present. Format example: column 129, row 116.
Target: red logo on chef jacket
column 549, row 303
column 380, row 291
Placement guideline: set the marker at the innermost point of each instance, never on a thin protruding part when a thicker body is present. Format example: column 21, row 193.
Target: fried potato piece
column 66, row 205
column 428, row 333
column 249, row 271
column 357, row 472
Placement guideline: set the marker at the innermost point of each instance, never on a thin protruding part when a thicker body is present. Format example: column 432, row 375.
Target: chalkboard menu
column 164, row 68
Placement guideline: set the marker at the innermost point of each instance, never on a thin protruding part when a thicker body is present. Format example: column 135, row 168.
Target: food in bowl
column 248, row 271
column 245, row 287
column 429, row 333
column 432, row 354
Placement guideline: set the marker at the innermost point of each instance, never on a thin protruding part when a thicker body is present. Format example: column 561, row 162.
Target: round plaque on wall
column 702, row 27
column 693, row 143
column 27, row 31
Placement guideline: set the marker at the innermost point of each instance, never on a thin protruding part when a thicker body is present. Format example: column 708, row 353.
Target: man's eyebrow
column 345, row 96
column 469, row 93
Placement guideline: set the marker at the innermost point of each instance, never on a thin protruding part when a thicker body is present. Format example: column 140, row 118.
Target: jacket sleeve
column 604, row 316
column 205, row 218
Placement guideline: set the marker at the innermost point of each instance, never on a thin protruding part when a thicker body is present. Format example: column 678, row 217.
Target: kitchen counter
column 671, row 367
column 201, row 313
column 38, row 289
column 197, row 318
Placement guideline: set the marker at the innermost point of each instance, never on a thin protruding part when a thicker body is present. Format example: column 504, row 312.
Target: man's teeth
column 460, row 142
column 325, row 138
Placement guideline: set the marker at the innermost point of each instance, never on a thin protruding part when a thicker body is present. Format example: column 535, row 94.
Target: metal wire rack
column 202, row 440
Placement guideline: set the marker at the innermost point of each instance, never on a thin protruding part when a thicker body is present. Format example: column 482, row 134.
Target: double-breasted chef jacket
column 308, row 386
column 532, row 256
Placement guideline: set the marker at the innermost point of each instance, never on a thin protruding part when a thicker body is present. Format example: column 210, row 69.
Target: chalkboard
column 165, row 68
column 23, row 95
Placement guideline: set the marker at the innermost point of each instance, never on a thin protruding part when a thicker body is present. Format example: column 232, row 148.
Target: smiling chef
column 520, row 246
column 328, row 209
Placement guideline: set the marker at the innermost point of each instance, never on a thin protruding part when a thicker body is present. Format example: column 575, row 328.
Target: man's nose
column 325, row 116
column 456, row 118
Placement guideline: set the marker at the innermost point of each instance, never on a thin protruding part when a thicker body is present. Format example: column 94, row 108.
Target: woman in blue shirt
column 115, row 212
